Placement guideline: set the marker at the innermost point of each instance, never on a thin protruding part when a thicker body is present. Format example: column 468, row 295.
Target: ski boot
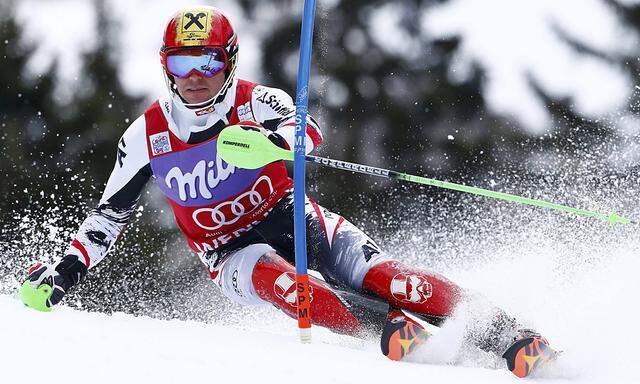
column 401, row 335
column 529, row 352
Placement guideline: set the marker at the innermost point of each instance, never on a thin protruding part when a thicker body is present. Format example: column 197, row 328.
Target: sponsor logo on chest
column 205, row 176
column 196, row 176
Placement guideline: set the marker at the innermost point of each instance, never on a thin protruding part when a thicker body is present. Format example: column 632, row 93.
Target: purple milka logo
column 198, row 176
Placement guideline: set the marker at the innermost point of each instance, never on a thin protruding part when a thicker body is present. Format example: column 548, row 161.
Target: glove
column 271, row 135
column 60, row 277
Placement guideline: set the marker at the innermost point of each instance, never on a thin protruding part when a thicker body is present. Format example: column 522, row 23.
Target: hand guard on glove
column 60, row 277
column 271, row 135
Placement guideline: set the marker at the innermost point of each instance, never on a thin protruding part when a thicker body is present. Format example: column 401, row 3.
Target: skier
column 240, row 222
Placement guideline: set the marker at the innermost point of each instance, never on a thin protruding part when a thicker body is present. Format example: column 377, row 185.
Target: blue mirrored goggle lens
column 209, row 63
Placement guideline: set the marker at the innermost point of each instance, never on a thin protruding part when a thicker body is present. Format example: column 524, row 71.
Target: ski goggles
column 206, row 61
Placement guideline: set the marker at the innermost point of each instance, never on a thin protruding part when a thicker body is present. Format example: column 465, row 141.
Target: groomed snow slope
column 67, row 346
column 70, row 346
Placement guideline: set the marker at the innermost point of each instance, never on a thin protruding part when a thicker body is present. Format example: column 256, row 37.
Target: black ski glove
column 60, row 276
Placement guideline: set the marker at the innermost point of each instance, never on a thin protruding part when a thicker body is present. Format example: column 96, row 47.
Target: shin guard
column 343, row 312
column 413, row 289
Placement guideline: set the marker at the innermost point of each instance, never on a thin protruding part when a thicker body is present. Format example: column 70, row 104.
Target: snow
column 74, row 346
column 572, row 279
column 591, row 313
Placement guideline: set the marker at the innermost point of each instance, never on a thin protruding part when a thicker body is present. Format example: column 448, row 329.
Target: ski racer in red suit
column 240, row 222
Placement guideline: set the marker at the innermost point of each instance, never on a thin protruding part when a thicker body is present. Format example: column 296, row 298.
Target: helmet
column 195, row 28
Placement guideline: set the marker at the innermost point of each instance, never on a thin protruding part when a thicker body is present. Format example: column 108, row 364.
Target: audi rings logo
column 229, row 212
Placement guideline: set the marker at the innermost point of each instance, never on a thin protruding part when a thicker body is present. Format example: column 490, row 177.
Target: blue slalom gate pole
column 299, row 231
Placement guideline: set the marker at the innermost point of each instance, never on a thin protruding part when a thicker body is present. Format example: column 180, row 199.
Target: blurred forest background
column 401, row 109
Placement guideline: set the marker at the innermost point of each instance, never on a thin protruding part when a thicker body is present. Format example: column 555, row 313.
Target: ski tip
column 529, row 354
column 401, row 335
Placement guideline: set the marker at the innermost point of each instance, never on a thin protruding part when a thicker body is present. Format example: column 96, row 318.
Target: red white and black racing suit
column 239, row 221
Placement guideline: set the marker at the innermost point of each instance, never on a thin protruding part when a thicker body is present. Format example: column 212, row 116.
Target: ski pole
column 251, row 150
column 612, row 217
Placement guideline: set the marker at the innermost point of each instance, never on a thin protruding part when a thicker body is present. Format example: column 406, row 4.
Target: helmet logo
column 194, row 19
column 193, row 27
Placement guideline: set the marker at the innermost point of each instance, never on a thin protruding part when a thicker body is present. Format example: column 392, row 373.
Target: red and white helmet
column 200, row 27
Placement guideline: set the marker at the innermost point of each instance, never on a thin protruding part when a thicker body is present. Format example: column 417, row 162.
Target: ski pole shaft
column 381, row 172
column 252, row 150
